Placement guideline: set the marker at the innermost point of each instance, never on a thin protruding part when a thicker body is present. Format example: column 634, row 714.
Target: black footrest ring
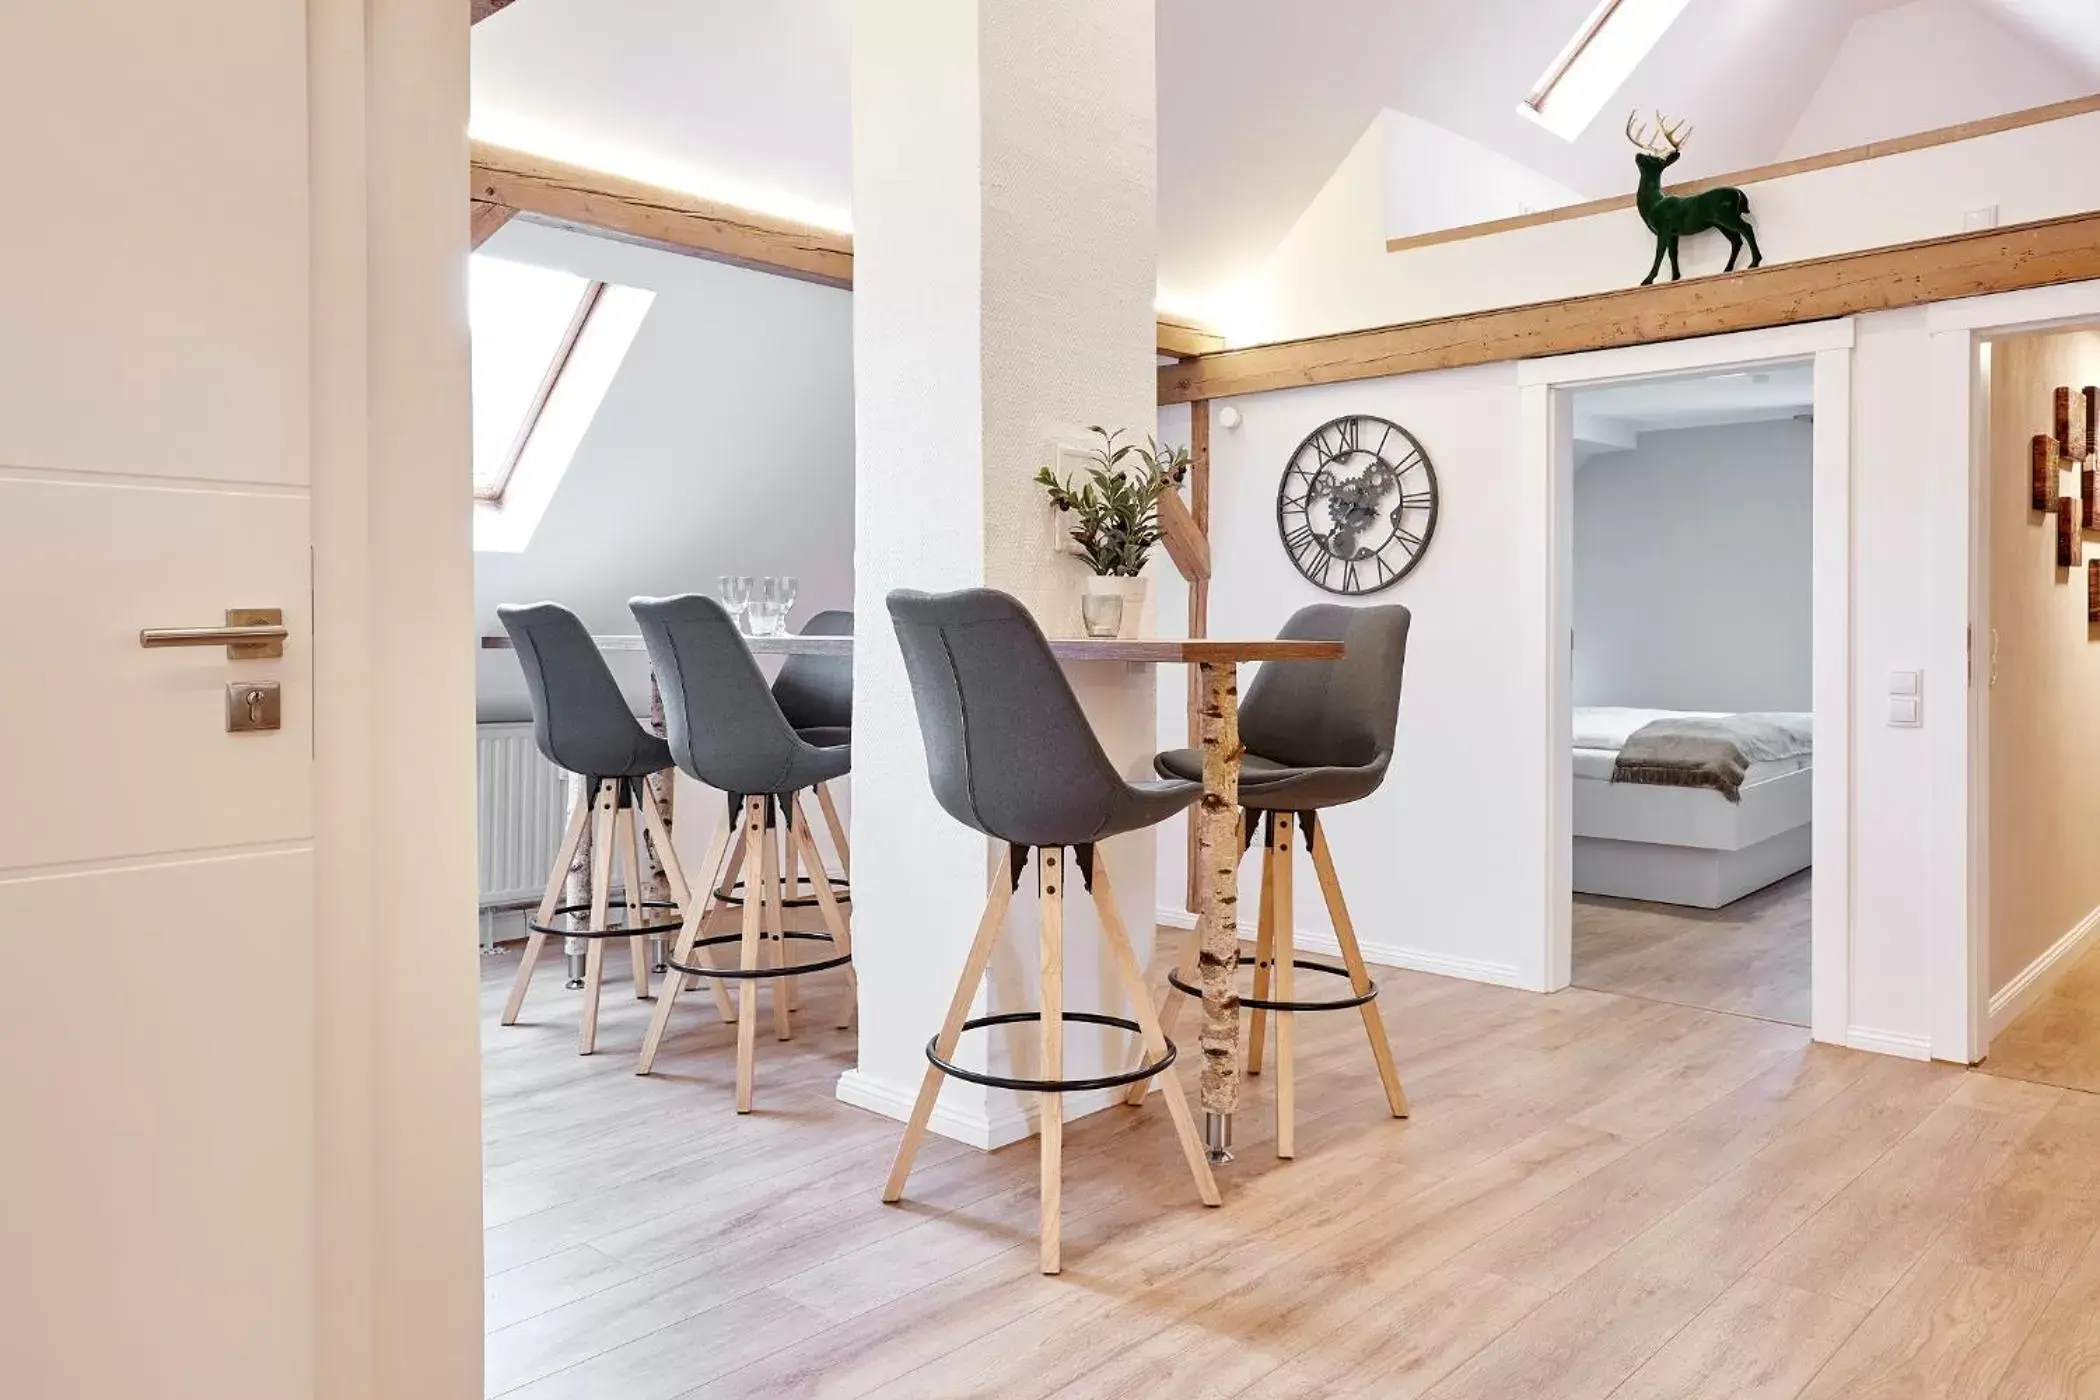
column 841, row 893
column 759, row 974
column 1269, row 1004
column 1051, row 1086
column 618, row 931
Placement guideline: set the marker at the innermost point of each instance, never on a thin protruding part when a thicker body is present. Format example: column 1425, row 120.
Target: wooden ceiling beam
column 2041, row 254
column 484, row 219
column 482, row 9
column 574, row 196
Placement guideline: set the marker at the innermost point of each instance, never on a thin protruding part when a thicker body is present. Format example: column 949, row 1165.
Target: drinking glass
column 787, row 598
column 1102, row 613
column 736, row 596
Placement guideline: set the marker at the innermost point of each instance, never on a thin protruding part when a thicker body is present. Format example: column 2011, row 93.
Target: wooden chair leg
column 1050, row 887
column 579, row 813
column 695, row 912
column 602, row 842
column 835, row 921
column 1155, row 1039
column 684, row 891
column 747, row 988
column 1359, row 975
column 838, row 832
column 790, row 885
column 1264, row 956
column 769, row 876
column 1286, row 829
column 630, row 842
column 996, row 903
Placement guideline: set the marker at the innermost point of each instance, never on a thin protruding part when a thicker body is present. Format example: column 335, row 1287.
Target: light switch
column 1986, row 217
column 1903, row 711
column 1903, row 682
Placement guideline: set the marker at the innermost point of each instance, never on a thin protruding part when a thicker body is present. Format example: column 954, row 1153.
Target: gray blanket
column 1709, row 753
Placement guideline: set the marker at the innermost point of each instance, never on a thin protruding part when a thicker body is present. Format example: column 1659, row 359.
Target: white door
column 158, row 1005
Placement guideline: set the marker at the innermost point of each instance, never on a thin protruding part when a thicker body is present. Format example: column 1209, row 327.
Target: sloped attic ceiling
column 1258, row 100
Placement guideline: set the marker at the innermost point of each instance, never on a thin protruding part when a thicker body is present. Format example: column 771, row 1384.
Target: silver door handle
column 249, row 634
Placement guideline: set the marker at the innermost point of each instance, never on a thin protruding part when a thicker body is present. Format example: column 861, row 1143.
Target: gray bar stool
column 1011, row 754
column 727, row 731
column 815, row 694
column 1317, row 734
column 583, row 725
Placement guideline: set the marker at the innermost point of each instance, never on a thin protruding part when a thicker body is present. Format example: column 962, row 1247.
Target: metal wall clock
column 1357, row 504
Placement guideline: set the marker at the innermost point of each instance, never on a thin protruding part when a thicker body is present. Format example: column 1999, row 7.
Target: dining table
column 1217, row 856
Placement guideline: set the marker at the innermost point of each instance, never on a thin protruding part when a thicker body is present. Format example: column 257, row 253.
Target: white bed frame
column 1690, row 846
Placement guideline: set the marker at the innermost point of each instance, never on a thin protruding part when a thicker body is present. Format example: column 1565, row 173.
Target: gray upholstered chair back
column 1339, row 714
column 1008, row 749
column 719, row 713
column 578, row 714
column 816, row 692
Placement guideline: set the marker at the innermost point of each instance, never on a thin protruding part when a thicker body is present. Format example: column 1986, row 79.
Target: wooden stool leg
column 602, row 842
column 1264, row 954
column 579, row 813
column 1359, row 975
column 1155, row 1040
column 1051, row 888
column 790, row 885
column 838, row 832
column 835, row 922
column 769, row 876
column 988, row 930
column 696, row 911
column 684, row 891
column 1286, row 829
column 630, row 843
column 747, row 989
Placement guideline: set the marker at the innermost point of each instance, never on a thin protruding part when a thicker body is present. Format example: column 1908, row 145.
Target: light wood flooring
column 2056, row 1040
column 1750, row 958
column 1596, row 1196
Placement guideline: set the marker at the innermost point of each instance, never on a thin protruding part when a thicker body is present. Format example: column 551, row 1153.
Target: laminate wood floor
column 1750, row 958
column 2056, row 1040
column 1596, row 1196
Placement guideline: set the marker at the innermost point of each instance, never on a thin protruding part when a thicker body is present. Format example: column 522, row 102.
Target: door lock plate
column 253, row 706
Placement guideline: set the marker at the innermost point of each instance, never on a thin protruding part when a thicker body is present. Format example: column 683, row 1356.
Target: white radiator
column 522, row 801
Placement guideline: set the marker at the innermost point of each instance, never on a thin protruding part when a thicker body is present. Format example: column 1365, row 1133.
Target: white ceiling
column 1613, row 418
column 1258, row 100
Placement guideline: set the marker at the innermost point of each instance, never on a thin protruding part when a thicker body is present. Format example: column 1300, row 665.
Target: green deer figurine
column 1670, row 217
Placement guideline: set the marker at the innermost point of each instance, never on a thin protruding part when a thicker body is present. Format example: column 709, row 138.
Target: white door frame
column 1959, row 403
column 1547, row 456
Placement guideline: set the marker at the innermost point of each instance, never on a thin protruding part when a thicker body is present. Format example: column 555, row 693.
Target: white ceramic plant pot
column 1132, row 591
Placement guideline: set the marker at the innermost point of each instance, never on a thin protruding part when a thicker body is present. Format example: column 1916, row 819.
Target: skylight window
column 1597, row 62
column 525, row 322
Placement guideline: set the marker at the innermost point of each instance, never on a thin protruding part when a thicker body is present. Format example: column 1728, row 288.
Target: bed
column 1637, row 839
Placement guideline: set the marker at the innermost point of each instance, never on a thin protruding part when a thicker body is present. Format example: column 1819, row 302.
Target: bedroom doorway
column 1702, row 647
column 1692, row 673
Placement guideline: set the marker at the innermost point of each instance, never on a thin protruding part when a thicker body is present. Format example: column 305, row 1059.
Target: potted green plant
column 1115, row 515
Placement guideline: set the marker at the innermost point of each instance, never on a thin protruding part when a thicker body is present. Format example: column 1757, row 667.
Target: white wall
column 1332, row 272
column 1437, row 179
column 1927, row 64
column 725, row 445
column 1692, row 570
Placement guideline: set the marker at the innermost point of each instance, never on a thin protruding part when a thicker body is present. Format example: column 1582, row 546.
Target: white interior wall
column 1927, row 64
column 1436, row 179
column 1692, row 570
column 1332, row 272
column 725, row 445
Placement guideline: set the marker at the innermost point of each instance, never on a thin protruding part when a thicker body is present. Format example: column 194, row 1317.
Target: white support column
column 1004, row 270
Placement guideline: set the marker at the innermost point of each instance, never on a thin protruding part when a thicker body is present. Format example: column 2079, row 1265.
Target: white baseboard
column 1908, row 1047
column 2035, row 979
column 1381, row 954
column 1011, row 1117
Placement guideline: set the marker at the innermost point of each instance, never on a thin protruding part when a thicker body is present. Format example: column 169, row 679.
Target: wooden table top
column 1167, row 651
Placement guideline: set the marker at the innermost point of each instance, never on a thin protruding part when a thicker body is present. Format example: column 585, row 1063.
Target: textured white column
column 1004, row 265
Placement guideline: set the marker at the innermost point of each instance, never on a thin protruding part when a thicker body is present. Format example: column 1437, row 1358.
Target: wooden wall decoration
column 2092, row 590
column 2068, row 538
column 2042, row 476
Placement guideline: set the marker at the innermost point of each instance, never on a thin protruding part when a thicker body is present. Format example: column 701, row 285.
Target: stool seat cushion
column 826, row 736
column 1269, row 786
column 579, row 717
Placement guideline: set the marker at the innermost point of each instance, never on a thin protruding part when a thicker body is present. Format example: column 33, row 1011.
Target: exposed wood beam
column 575, row 196
column 579, row 197
column 2041, row 254
column 1186, row 544
column 1873, row 150
column 482, row 9
column 485, row 219
column 1182, row 338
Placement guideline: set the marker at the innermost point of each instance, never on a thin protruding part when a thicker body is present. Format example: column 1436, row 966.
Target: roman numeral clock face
column 1357, row 505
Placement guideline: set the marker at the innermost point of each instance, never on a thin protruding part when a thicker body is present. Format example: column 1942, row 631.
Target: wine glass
column 736, row 596
column 787, row 599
